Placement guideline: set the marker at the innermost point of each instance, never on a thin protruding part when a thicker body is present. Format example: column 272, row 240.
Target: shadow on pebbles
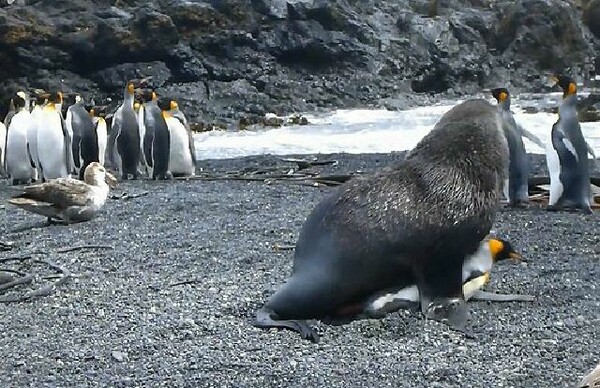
column 163, row 288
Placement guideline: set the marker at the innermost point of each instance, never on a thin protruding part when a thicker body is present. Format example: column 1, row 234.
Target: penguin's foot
column 493, row 297
column 519, row 204
column 267, row 318
column 553, row 208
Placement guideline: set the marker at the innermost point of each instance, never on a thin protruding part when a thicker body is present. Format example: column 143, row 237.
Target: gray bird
column 591, row 380
column 67, row 199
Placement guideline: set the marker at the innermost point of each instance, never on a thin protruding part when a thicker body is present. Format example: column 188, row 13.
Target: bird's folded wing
column 62, row 192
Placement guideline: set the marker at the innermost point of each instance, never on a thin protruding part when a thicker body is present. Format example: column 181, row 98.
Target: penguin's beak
column 110, row 180
column 515, row 257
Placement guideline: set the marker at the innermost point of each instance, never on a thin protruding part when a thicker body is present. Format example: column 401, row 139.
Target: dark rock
column 115, row 77
column 185, row 64
column 546, row 32
column 591, row 17
column 229, row 59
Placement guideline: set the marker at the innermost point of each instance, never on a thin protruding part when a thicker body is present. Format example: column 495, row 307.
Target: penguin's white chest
column 51, row 145
column 17, row 157
column 180, row 158
column 102, row 135
column 553, row 163
column 479, row 263
column 2, row 145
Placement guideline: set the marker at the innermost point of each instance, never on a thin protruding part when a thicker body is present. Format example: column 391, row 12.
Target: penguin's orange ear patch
column 502, row 96
column 496, row 246
column 572, row 89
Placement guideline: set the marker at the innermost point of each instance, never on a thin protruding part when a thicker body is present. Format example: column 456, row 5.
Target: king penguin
column 126, row 135
column 75, row 122
column 54, row 141
column 157, row 140
column 412, row 223
column 101, row 131
column 18, row 164
column 516, row 189
column 182, row 155
column 475, row 274
column 566, row 156
column 85, row 140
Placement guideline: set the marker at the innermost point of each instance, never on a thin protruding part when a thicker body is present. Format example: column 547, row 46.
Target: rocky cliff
column 227, row 59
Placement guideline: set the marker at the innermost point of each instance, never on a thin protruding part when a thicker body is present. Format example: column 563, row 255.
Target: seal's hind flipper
column 264, row 319
column 493, row 297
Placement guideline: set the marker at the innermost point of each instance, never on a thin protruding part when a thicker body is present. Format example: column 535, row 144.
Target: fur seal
column 412, row 223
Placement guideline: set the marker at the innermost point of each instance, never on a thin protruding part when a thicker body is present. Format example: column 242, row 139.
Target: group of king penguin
column 566, row 154
column 146, row 137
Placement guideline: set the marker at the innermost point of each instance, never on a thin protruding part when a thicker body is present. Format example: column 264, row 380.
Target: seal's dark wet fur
column 413, row 222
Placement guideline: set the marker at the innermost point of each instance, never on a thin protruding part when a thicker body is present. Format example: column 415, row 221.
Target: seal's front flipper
column 493, row 297
column 266, row 318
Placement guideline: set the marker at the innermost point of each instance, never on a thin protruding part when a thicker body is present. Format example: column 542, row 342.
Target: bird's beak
column 110, row 180
column 515, row 257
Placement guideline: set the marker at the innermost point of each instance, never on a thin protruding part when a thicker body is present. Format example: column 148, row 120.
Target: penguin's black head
column 566, row 83
column 500, row 94
column 41, row 99
column 130, row 88
column 502, row 250
column 56, row 97
column 18, row 101
column 148, row 95
column 164, row 103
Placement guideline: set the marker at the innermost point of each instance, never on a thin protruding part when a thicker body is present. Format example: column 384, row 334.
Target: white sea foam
column 363, row 131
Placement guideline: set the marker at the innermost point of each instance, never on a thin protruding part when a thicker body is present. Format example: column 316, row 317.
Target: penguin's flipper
column 264, row 319
column 192, row 147
column 68, row 141
column 31, row 162
column 563, row 144
column 115, row 128
column 493, row 297
column 536, row 140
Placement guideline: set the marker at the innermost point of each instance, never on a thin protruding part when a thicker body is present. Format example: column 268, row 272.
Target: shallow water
column 369, row 131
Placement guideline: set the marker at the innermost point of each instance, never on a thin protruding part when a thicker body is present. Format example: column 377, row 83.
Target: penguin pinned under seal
column 18, row 164
column 516, row 189
column 182, row 155
column 126, row 136
column 566, row 156
column 412, row 223
column 54, row 141
column 476, row 273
